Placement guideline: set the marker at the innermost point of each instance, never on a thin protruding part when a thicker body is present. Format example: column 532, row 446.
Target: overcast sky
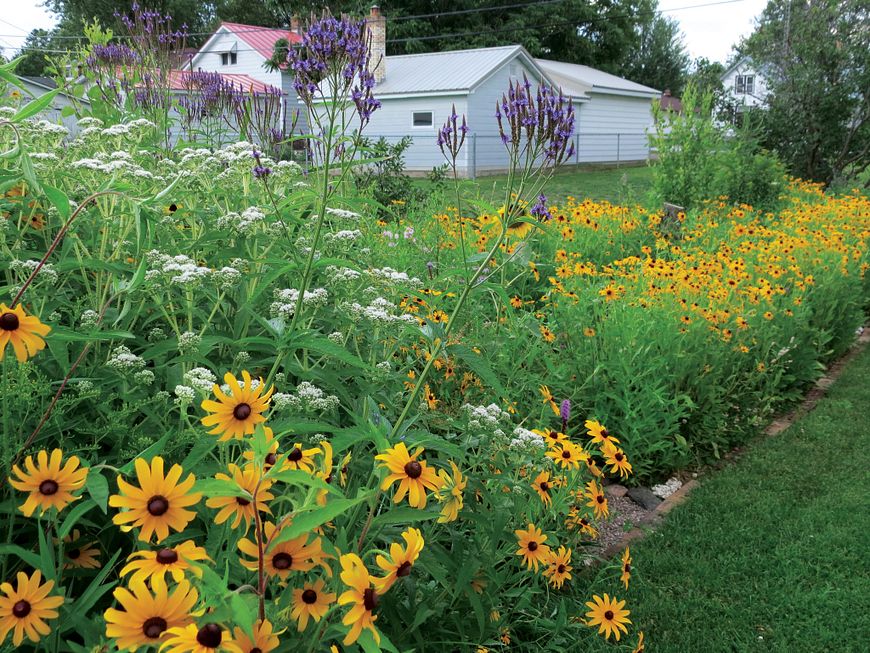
column 709, row 31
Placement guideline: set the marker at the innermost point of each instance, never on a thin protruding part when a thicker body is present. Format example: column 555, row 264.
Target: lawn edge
column 777, row 426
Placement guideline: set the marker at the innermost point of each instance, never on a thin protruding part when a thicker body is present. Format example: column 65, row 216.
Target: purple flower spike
column 565, row 413
column 451, row 137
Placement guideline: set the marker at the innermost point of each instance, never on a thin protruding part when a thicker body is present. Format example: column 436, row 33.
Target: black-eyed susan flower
column 616, row 458
column 400, row 561
column 265, row 639
column 242, row 507
column 626, row 568
column 609, row 615
column 414, row 476
column 640, row 646
column 430, row 398
column 26, row 607
column 24, row 331
column 543, row 485
column 282, row 558
column 79, row 553
column 597, row 500
column 450, row 493
column 310, row 602
column 271, row 456
column 158, row 504
column 558, row 568
column 532, row 547
column 361, row 596
column 567, row 455
column 50, row 482
column 547, row 397
column 235, row 415
column 175, row 560
column 301, row 459
column 599, row 433
column 551, row 436
column 576, row 519
column 207, row 638
column 146, row 617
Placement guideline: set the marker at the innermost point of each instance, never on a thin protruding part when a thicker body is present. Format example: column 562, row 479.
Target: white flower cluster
column 116, row 163
column 125, row 361
column 525, row 439
column 244, row 223
column 88, row 122
column 189, row 342
column 177, row 270
column 307, row 398
column 48, row 128
column 227, row 277
column 184, row 395
column 337, row 337
column 394, row 276
column 25, row 268
column 337, row 274
column 343, row 236
column 379, row 310
column 343, row 214
column 144, row 377
column 487, row 419
column 134, row 128
column 201, row 379
column 89, row 319
column 285, row 301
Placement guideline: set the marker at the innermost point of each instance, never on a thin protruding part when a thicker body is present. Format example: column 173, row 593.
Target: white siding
column 52, row 113
column 613, row 128
column 754, row 99
column 248, row 61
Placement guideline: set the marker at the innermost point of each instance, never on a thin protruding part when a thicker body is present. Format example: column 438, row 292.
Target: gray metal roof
column 440, row 72
column 593, row 79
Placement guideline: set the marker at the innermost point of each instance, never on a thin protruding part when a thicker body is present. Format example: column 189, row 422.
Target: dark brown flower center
column 370, row 599
column 154, row 627
column 295, row 455
column 166, row 556
column 256, row 649
column 309, row 597
column 74, row 554
column 566, row 454
column 618, row 457
column 532, row 546
column 242, row 501
column 627, row 567
column 404, row 569
column 282, row 560
column 48, row 487
column 608, row 615
column 414, row 469
column 173, row 207
column 158, row 505
column 600, row 498
column 242, row 412
column 21, row 609
column 545, row 487
column 9, row 321
column 561, row 569
column 210, row 636
column 271, row 459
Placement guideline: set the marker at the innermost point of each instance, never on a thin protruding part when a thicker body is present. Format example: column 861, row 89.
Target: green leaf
column 80, row 608
column 98, row 488
column 35, row 106
column 213, row 487
column 479, row 366
column 59, row 199
column 29, row 557
column 326, row 347
column 76, row 514
column 199, row 451
column 243, row 614
column 308, row 521
column 148, row 453
column 403, row 515
column 68, row 335
column 299, row 478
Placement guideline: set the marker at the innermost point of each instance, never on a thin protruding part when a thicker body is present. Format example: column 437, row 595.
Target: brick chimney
column 294, row 24
column 376, row 24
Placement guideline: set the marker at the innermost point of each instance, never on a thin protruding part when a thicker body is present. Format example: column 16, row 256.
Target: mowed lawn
column 773, row 552
column 626, row 184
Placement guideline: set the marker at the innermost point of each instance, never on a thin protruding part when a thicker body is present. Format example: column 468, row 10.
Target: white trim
column 431, row 121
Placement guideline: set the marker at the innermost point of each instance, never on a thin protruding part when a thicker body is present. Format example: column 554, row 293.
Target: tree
column 658, row 57
column 35, row 59
column 815, row 57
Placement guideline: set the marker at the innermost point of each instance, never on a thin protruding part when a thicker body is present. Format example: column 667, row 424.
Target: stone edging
column 776, row 427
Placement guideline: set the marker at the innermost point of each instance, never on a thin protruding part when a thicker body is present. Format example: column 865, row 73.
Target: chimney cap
column 375, row 11
column 667, row 92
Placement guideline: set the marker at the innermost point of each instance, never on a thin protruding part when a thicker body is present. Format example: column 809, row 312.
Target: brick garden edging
column 777, row 426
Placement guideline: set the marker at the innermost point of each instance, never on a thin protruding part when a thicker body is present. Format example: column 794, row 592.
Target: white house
column 745, row 84
column 38, row 86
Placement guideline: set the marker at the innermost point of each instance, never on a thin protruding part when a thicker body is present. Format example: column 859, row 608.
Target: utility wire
column 599, row 19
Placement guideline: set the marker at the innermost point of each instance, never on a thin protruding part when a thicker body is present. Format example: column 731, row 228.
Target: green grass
column 771, row 553
column 626, row 184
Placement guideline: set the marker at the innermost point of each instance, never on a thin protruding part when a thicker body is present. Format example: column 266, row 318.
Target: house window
column 228, row 58
column 744, row 84
column 422, row 119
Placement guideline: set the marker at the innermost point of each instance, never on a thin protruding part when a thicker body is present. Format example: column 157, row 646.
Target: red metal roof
column 244, row 82
column 262, row 39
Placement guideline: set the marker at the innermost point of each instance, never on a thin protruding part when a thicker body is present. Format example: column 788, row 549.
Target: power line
column 599, row 19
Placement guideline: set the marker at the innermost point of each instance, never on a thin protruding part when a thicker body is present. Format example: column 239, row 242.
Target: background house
column 38, row 86
column 745, row 84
